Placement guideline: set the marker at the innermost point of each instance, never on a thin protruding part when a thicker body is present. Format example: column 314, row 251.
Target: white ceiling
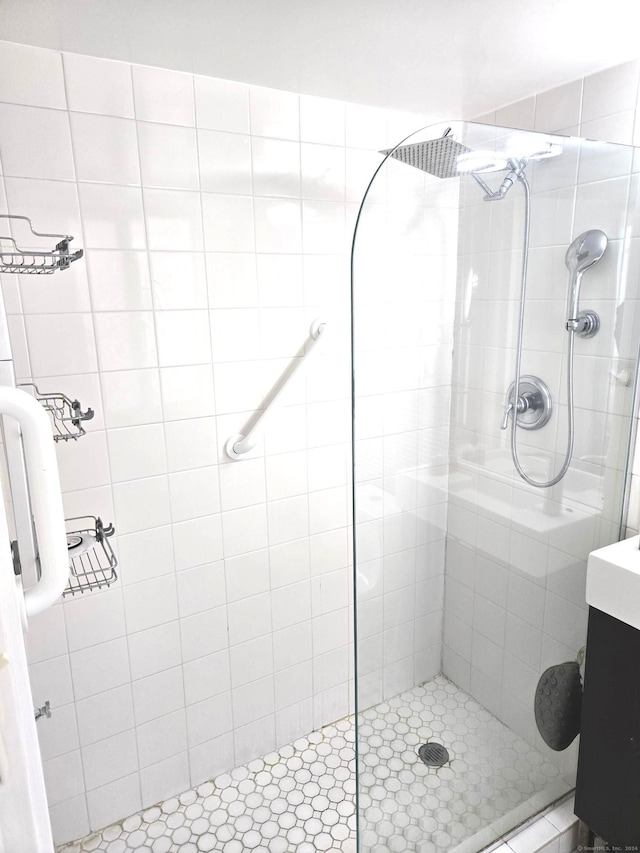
column 441, row 58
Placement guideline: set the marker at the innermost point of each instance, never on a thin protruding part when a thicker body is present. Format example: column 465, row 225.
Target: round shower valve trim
column 534, row 404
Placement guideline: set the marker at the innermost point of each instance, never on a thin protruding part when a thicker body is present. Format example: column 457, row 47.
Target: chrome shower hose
column 514, row 418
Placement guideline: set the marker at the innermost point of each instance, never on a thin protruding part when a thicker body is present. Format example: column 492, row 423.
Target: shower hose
column 514, row 413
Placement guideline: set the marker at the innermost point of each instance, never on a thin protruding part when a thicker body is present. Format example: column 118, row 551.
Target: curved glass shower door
column 469, row 581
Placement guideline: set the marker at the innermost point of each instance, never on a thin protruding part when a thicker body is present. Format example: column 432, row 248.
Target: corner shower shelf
column 34, row 261
column 92, row 561
column 66, row 414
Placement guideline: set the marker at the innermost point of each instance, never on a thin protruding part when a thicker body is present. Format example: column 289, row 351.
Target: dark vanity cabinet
column 608, row 783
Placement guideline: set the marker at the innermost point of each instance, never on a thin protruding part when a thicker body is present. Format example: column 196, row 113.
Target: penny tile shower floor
column 301, row 798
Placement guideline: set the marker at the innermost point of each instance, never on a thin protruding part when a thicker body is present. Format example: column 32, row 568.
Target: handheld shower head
column 583, row 253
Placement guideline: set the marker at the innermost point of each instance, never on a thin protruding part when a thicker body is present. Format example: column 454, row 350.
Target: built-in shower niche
column 464, row 570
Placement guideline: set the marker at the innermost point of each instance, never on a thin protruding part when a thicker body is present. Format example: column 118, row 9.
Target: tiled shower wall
column 515, row 601
column 215, row 219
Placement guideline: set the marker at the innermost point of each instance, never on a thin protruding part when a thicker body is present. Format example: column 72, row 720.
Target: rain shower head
column 438, row 157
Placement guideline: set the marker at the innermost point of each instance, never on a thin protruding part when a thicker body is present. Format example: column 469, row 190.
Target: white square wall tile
column 278, row 226
column 141, row 503
column 249, row 618
column 137, row 452
column 179, row 280
column 52, row 678
column 291, row 604
column 183, row 337
column 276, row 167
column 99, row 668
column 94, row 619
column 242, row 485
column 63, row 777
column 225, row 162
column 221, row 105
column 157, row 695
column 322, row 120
column 112, row 217
column 187, row 390
column 31, row 75
column 161, row 738
column 202, row 588
column 160, row 781
column 204, row 633
column 168, row 156
column 323, row 227
column 253, row 701
column 174, row 220
column 250, row 661
column 150, row 603
column 209, row 719
column 611, row 91
column 61, row 736
column 194, row 493
column 247, row 575
column 47, row 637
column 61, row 344
column 105, row 149
column 288, row 519
column 280, row 280
column 293, row 685
column 107, row 714
column 109, row 759
column 289, row 562
column 197, row 541
column 69, row 819
column 274, row 113
column 126, row 340
column 292, row 645
column 191, row 443
column 163, row 96
column 232, row 280
column 206, row 677
column 228, row 223
column 131, row 397
column 209, row 759
column 244, row 530
column 235, row 334
column 98, row 85
column 155, row 650
column 35, row 143
column 323, row 172
column 109, row 802
column 119, row 280
column 255, row 738
column 286, row 474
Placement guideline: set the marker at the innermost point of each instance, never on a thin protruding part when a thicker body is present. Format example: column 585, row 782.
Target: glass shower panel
column 469, row 581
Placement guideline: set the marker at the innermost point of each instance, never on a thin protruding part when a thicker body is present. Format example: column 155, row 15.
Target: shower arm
column 516, row 168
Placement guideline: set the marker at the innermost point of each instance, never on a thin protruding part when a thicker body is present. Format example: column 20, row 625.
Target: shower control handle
column 533, row 405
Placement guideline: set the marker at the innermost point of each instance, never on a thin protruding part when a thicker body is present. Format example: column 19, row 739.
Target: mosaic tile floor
column 301, row 798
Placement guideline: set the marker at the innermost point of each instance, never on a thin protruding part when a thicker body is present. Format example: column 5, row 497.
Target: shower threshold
column 302, row 797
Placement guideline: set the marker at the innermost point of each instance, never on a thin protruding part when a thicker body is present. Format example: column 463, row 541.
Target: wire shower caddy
column 34, row 261
column 66, row 414
column 92, row 563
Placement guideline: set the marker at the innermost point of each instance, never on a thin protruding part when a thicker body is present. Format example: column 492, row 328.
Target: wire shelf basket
column 34, row 261
column 92, row 561
column 66, row 414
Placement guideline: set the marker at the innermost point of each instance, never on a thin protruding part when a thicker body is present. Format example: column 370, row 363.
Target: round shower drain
column 433, row 754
